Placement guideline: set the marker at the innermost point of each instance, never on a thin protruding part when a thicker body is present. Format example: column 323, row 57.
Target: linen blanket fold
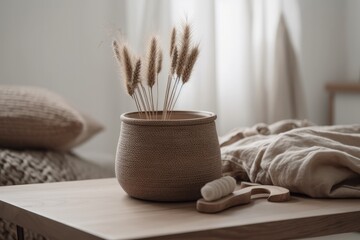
column 319, row 161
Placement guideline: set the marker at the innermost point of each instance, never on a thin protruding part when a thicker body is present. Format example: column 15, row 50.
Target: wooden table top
column 100, row 209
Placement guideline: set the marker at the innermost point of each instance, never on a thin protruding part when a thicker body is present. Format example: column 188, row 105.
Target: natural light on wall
column 233, row 64
column 234, row 75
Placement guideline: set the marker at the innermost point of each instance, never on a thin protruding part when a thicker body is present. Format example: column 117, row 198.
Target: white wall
column 346, row 107
column 353, row 40
column 65, row 46
column 323, row 54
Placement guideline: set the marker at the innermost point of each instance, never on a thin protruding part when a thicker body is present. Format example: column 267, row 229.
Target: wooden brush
column 218, row 195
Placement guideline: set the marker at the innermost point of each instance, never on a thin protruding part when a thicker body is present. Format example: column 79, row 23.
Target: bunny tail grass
column 174, row 60
column 116, row 48
column 152, row 69
column 137, row 105
column 127, row 69
column 142, row 101
column 140, row 75
column 127, row 63
column 190, row 62
column 172, row 41
column 170, row 78
column 168, row 86
column 159, row 66
column 181, row 60
column 159, row 62
column 136, row 74
column 133, row 85
column 151, row 60
column 185, row 44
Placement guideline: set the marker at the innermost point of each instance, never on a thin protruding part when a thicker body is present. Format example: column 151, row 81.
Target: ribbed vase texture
column 167, row 160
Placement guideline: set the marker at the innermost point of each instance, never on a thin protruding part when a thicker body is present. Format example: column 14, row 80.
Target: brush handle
column 243, row 196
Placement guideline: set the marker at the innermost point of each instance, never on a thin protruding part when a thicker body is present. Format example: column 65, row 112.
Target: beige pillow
column 32, row 117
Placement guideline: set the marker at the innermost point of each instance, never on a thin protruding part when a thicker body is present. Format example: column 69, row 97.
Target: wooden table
column 100, row 209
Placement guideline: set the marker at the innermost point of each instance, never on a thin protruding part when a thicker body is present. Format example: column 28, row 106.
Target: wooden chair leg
column 20, row 232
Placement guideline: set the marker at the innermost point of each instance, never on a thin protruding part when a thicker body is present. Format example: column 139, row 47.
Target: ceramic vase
column 167, row 160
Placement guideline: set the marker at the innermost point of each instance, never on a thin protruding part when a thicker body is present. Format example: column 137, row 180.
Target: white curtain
column 247, row 71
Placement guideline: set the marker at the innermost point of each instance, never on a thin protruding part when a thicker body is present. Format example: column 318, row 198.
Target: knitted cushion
column 25, row 167
column 37, row 118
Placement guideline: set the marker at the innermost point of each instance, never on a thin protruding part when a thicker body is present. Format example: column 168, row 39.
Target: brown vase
column 167, row 160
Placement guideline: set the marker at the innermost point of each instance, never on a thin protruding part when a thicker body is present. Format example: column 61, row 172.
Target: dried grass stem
column 183, row 58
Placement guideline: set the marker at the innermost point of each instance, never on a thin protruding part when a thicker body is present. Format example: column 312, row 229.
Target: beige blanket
column 319, row 161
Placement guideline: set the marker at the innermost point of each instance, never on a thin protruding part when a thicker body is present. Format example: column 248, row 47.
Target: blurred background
column 260, row 61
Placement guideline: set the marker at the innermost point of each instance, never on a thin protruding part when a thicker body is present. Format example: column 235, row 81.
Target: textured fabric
column 262, row 129
column 36, row 118
column 26, row 167
column 322, row 162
